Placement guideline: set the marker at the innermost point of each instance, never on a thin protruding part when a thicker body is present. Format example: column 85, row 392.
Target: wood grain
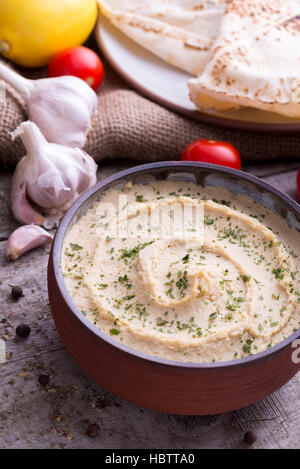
column 57, row 416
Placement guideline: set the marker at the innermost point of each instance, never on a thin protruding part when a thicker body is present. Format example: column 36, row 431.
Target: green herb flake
column 140, row 198
column 246, row 348
column 161, row 322
column 278, row 273
column 182, row 283
column 246, row 278
column 75, row 247
column 128, row 297
column 185, row 259
column 132, row 253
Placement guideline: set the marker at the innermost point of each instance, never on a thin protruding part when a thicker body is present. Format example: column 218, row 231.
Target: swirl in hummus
column 229, row 294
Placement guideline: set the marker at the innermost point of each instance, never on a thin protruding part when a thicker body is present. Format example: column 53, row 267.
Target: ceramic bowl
column 157, row 383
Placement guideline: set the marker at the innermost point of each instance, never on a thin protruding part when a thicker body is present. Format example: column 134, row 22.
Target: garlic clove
column 19, row 83
column 24, row 239
column 62, row 107
column 49, row 178
column 22, row 209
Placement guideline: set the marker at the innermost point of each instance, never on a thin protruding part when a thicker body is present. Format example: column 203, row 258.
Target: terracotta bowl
column 156, row 383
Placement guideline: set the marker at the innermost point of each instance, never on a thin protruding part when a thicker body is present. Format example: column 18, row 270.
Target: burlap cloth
column 131, row 126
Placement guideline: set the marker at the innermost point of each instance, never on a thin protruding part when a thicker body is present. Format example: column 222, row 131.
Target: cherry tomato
column 80, row 62
column 298, row 183
column 211, row 151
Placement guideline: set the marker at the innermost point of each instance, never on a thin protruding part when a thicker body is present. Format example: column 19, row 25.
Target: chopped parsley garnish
column 128, row 297
column 75, row 247
column 278, row 273
column 169, row 292
column 140, row 198
column 231, row 307
column 185, row 259
column 132, row 253
column 161, row 322
column 222, row 202
column 182, row 283
column 246, row 278
column 247, row 346
column 240, row 299
column 125, row 281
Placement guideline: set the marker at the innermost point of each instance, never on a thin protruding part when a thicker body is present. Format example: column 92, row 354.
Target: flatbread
column 255, row 60
column 181, row 32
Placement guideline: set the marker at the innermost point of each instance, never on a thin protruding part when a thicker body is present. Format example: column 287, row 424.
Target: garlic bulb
column 48, row 178
column 24, row 239
column 61, row 107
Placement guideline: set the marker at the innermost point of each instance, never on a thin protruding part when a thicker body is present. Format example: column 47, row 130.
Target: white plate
column 168, row 85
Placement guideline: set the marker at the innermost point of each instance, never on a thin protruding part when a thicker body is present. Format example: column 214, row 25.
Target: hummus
column 227, row 289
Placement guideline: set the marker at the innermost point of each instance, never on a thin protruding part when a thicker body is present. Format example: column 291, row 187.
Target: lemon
column 33, row 31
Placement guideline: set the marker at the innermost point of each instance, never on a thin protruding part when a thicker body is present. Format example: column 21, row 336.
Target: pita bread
column 181, row 32
column 255, row 60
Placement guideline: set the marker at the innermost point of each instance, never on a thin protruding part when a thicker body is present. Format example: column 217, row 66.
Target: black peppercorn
column 250, row 438
column 43, row 380
column 23, row 331
column 93, row 430
column 16, row 292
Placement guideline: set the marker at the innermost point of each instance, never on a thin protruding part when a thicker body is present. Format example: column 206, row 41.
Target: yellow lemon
column 33, row 31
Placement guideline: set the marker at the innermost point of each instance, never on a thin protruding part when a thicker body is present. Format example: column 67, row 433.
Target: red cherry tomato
column 210, row 151
column 298, row 183
column 80, row 62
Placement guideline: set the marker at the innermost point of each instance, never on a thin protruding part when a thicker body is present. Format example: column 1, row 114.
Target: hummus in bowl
column 219, row 285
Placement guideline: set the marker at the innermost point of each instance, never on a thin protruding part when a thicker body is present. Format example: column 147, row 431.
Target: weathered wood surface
column 57, row 416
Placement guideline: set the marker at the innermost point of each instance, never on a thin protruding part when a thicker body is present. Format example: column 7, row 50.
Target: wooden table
column 57, row 416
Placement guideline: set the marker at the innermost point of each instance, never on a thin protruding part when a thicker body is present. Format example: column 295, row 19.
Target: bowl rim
column 63, row 226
